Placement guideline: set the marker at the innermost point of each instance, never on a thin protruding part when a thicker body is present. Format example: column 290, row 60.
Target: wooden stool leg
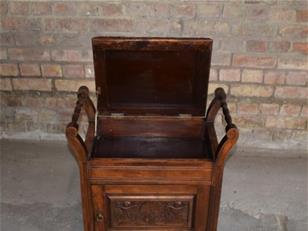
column 79, row 151
column 215, row 195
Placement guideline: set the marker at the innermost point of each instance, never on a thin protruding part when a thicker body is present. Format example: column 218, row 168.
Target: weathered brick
column 221, row 28
column 21, row 23
column 176, row 28
column 29, row 69
column 153, row 27
column 153, row 10
column 88, row 9
column 257, row 12
column 248, row 121
column 51, row 70
column 62, row 102
column 280, row 46
column 230, row 75
column 256, row 46
column 23, row 114
column 294, row 32
column 47, row 39
column 302, row 15
column 291, row 92
column 214, row 86
column 290, row 110
column 3, row 7
column 73, row 71
column 221, row 59
column 65, row 24
column 67, row 55
column 7, row 39
column 34, row 84
column 26, row 38
column 8, row 69
column 19, row 8
column 71, row 55
column 10, row 100
column 208, row 10
column 64, row 8
column 263, row 30
column 111, row 25
column 233, row 11
column 55, row 127
column 232, row 107
column 252, row 76
column 73, row 85
column 81, row 40
column 33, row 101
column 213, row 74
column 297, row 78
column 274, row 77
column 293, row 63
column 269, row 108
column 28, row 54
column 282, row 15
column 252, row 90
column 285, row 122
column 234, row 45
column 190, row 27
column 202, row 28
column 111, row 9
column 182, row 10
column 304, row 112
column 253, row 61
column 300, row 47
column 248, row 108
column 3, row 53
column 48, row 115
column 5, row 84
column 41, row 8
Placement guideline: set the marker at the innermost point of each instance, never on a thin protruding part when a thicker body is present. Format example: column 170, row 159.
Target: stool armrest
column 80, row 148
column 220, row 150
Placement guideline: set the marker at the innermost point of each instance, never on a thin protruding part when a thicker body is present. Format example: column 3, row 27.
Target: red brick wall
column 259, row 57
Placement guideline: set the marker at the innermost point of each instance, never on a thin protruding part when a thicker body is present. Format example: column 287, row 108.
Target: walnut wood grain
column 149, row 167
column 79, row 149
column 220, row 151
column 150, row 126
column 157, row 76
column 151, row 211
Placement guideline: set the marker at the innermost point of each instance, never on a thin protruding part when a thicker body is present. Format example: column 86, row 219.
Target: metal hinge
column 185, row 115
column 117, row 115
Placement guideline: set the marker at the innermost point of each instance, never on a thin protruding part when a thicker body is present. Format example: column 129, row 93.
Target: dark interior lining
column 149, row 147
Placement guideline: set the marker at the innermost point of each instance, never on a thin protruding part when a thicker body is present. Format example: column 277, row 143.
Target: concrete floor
column 40, row 190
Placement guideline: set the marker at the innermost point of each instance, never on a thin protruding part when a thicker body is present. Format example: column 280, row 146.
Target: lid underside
column 152, row 76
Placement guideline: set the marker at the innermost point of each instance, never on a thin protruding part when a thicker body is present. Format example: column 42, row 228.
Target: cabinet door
column 150, row 207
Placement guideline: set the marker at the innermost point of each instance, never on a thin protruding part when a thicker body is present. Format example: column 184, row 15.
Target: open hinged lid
column 146, row 76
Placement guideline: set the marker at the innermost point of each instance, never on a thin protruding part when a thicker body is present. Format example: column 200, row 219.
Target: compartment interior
column 142, row 77
column 150, row 147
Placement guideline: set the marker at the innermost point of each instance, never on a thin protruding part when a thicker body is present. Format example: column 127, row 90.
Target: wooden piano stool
column 151, row 159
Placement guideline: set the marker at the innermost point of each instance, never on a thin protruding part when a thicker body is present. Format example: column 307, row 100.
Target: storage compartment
column 148, row 207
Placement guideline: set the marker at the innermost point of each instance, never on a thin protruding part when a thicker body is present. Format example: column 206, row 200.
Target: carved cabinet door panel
column 150, row 207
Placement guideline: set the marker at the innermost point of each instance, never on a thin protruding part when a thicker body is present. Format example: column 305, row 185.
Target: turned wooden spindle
column 81, row 149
